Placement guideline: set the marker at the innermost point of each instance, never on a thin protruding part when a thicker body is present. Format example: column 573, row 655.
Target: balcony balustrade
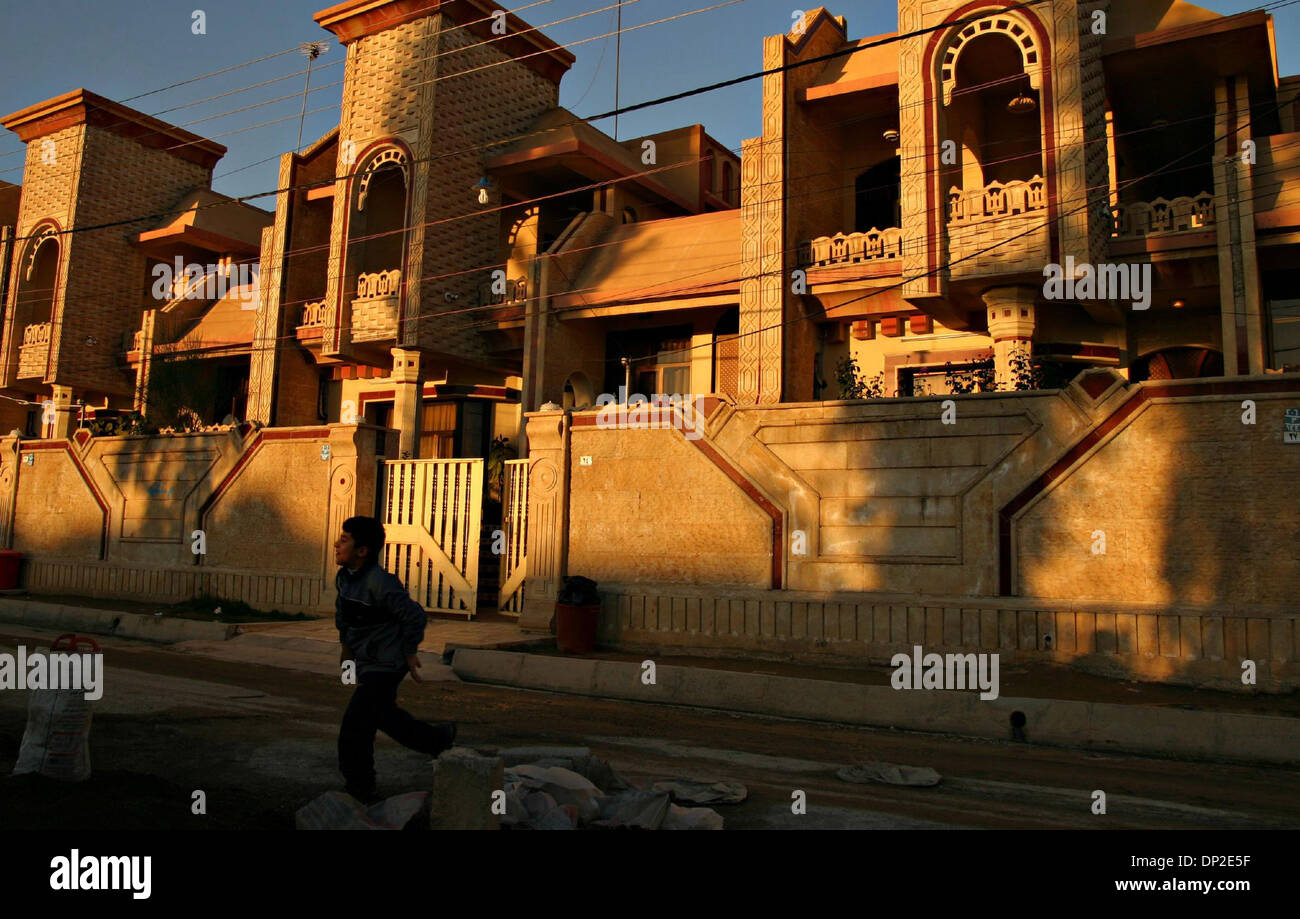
column 996, row 200
column 313, row 315
column 516, row 292
column 850, row 248
column 34, row 352
column 374, row 308
column 1146, row 218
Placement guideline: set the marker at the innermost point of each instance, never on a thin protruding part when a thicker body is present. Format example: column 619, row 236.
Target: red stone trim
column 711, row 452
column 1062, row 466
column 260, row 438
column 778, row 524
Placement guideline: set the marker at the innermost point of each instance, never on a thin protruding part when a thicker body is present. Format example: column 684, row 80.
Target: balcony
column 516, row 292
column 996, row 201
column 34, row 353
column 998, row 229
column 852, row 248
column 374, row 308
column 1147, row 218
column 313, row 320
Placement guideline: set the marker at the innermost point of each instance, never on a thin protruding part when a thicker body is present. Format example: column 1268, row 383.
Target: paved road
column 259, row 740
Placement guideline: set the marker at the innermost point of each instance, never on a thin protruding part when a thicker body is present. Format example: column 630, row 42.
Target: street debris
column 567, row 787
column 56, row 741
column 640, row 810
column 542, row 788
column 890, row 774
column 338, row 810
column 464, row 783
column 691, row 818
column 686, row 792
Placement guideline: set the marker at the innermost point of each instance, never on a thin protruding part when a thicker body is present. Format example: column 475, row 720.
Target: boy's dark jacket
column 377, row 618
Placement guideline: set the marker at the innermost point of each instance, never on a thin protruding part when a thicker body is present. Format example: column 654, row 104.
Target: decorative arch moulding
column 1011, row 25
column 389, row 154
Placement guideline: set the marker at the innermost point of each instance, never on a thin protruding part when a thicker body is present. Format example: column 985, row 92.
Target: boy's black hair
column 368, row 532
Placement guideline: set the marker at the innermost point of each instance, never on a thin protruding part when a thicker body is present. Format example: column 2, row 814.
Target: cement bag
column 56, row 743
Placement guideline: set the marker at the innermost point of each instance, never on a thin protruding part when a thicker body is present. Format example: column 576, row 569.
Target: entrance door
column 432, row 513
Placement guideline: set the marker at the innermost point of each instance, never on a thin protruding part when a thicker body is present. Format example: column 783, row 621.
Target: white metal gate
column 432, row 513
column 514, row 524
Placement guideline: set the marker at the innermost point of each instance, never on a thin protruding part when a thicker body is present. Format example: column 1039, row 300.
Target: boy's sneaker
column 446, row 737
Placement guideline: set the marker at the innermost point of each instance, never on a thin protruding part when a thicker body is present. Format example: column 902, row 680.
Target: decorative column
column 1011, row 325
column 406, row 400
column 548, row 517
column 65, row 417
column 9, row 459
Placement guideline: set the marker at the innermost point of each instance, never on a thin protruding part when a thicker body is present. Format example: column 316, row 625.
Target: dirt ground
column 260, row 742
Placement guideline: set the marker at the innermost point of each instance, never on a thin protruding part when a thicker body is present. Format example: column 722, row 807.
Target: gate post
column 548, row 516
column 354, row 473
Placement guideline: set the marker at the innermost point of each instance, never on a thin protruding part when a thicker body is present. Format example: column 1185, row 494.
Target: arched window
column 38, row 280
column 992, row 74
column 730, row 192
column 377, row 237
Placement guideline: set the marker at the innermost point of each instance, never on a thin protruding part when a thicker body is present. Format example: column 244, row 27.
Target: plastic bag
column 56, row 743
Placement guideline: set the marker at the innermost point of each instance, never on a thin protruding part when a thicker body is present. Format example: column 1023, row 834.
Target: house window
column 661, row 360
column 438, row 430
column 1285, row 337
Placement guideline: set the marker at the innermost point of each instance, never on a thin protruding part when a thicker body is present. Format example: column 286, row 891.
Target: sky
column 124, row 49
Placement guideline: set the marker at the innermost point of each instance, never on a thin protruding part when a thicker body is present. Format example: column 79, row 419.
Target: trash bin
column 577, row 614
column 9, row 562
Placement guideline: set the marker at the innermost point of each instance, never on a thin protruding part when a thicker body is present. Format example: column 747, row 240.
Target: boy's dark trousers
column 374, row 707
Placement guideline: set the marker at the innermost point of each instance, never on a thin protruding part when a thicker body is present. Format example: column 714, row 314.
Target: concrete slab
column 84, row 619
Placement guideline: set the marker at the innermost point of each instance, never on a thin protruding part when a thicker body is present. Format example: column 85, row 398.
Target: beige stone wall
column 1194, row 506
column 651, row 508
column 55, row 513
column 886, row 497
column 269, row 504
column 274, row 513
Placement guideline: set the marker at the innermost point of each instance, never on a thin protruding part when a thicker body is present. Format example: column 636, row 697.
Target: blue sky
column 123, row 48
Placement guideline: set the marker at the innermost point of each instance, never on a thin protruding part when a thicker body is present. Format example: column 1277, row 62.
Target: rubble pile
column 567, row 788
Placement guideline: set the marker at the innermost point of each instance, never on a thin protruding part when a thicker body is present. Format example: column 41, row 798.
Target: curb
column 110, row 622
column 1228, row 736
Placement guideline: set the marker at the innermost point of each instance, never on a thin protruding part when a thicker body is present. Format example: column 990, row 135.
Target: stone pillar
column 1011, row 325
column 9, row 459
column 406, row 400
column 354, row 451
column 1241, row 304
column 548, row 516
column 65, row 413
column 142, row 370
